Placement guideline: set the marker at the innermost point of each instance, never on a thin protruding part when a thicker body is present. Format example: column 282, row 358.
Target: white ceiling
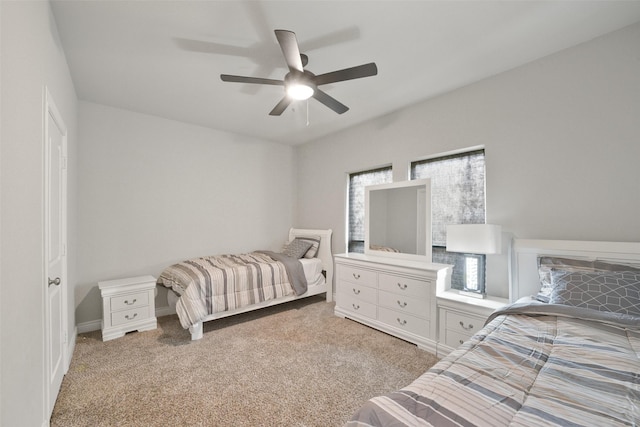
column 165, row 58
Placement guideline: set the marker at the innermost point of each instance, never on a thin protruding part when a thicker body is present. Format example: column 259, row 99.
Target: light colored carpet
column 292, row 365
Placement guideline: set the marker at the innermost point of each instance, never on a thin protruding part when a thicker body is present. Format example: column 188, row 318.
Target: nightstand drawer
column 355, row 305
column 405, row 286
column 357, row 275
column 463, row 323
column 406, row 322
column 123, row 302
column 129, row 316
column 454, row 339
column 360, row 292
column 405, row 304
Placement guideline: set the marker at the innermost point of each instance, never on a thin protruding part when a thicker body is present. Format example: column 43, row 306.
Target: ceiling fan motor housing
column 305, row 78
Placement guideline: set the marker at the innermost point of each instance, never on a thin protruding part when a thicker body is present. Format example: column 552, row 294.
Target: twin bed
column 214, row 287
column 568, row 356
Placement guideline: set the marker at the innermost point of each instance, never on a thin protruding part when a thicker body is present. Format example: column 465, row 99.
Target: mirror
column 398, row 220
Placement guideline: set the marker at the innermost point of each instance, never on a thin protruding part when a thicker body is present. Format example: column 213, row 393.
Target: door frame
column 51, row 112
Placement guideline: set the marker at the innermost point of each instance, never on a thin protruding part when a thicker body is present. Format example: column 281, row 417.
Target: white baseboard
column 71, row 346
column 96, row 325
column 165, row 311
column 90, row 326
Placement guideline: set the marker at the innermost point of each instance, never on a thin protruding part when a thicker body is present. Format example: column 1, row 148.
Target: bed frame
column 524, row 279
column 325, row 255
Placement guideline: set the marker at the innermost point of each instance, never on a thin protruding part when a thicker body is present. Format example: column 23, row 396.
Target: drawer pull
column 130, row 303
column 402, row 304
column 356, row 276
column 132, row 317
column 402, row 286
column 356, row 291
column 356, row 307
column 401, row 322
column 466, row 328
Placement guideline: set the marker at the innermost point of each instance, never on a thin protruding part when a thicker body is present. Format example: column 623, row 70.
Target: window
column 457, row 197
column 357, row 182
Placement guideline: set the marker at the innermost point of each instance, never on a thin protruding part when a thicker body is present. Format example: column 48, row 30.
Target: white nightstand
column 127, row 305
column 460, row 316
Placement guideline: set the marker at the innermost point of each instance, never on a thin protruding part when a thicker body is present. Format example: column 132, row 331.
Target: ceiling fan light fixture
column 299, row 91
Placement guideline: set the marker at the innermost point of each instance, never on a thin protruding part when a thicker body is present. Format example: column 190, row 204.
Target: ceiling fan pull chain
column 307, row 112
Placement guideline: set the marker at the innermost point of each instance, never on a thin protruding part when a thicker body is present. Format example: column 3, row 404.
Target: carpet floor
column 291, row 365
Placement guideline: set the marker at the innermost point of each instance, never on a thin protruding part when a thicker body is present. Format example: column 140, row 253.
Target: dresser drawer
column 405, row 303
column 463, row 323
column 360, row 292
column 355, row 305
column 453, row 339
column 129, row 316
column 123, row 302
column 403, row 285
column 357, row 275
column 406, row 322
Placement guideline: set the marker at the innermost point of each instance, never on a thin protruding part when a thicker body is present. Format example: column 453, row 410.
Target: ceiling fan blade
column 281, row 106
column 358, row 72
column 289, row 45
column 256, row 80
column 202, row 46
column 330, row 101
column 328, row 39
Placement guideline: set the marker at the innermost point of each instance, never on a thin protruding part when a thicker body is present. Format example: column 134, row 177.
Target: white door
column 55, row 250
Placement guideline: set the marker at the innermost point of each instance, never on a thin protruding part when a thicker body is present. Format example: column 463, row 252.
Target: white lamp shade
column 474, row 238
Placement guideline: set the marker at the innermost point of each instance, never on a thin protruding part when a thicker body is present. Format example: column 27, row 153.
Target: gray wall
column 153, row 192
column 561, row 137
column 31, row 58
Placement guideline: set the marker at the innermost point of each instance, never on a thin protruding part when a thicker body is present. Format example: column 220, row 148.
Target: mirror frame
column 426, row 185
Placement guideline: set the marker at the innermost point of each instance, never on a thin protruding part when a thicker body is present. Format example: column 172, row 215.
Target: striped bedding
column 532, row 365
column 220, row 283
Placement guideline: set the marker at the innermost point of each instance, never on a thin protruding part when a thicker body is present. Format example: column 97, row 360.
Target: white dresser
column 127, row 305
column 392, row 295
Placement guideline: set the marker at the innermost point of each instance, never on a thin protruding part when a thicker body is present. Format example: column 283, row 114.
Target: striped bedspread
column 219, row 283
column 535, row 367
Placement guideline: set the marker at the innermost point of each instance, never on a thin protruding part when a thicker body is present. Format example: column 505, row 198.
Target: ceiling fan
column 301, row 84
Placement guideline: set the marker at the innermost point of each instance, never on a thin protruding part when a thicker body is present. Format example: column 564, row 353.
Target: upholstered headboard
column 524, row 278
